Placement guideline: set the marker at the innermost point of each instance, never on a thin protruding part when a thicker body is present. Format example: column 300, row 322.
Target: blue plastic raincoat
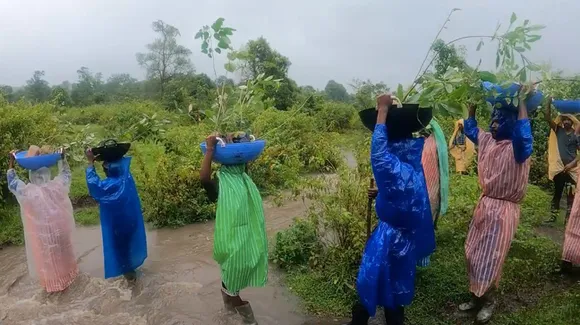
column 123, row 229
column 404, row 234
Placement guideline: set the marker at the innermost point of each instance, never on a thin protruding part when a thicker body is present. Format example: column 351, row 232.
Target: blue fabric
column 471, row 130
column 404, row 234
column 522, row 140
column 123, row 229
column 520, row 132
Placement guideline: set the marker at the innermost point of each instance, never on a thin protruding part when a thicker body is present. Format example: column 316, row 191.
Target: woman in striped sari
column 503, row 166
column 240, row 243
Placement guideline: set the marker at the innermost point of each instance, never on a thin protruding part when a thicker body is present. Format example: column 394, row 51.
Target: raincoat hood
column 506, row 120
column 40, row 176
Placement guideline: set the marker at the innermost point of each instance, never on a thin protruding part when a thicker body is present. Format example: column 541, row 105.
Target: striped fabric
column 240, row 243
column 496, row 217
column 430, row 162
column 571, row 252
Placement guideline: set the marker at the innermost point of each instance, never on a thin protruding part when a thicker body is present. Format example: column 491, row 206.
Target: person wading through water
column 503, row 167
column 122, row 226
column 404, row 234
column 563, row 145
column 48, row 222
column 240, row 243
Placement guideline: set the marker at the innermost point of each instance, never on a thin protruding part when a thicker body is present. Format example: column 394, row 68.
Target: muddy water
column 179, row 284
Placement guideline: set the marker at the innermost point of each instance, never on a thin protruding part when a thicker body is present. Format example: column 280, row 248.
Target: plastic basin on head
column 36, row 162
column 236, row 153
column 567, row 106
column 511, row 92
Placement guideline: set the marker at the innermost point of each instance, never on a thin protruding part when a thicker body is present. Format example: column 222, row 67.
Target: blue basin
column 236, row 153
column 36, row 162
column 511, row 92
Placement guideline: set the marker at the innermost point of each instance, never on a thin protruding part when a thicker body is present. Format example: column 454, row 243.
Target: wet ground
column 179, row 284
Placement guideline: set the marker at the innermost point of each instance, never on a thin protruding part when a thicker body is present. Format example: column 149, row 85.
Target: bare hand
column 11, row 158
column 525, row 91
column 211, row 142
column 372, row 193
column 90, row 155
column 384, row 101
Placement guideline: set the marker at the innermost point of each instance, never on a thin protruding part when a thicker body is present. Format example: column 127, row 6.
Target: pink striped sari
column 571, row 251
column 496, row 216
column 430, row 162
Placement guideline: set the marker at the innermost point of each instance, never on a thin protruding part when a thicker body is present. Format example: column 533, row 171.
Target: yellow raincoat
column 555, row 165
column 463, row 154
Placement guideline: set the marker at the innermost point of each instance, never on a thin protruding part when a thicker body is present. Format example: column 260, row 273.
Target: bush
column 327, row 283
column 296, row 246
column 336, row 116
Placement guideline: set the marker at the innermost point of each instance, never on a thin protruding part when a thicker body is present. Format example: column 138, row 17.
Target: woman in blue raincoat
column 404, row 234
column 123, row 229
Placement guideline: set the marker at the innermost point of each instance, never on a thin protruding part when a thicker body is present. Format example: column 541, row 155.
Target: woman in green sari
column 240, row 243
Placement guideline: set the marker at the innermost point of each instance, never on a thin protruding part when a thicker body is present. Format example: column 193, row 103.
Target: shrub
column 296, row 246
column 327, row 283
column 336, row 116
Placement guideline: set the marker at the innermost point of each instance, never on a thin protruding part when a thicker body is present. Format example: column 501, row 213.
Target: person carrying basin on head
column 404, row 235
column 563, row 145
column 503, row 168
column 48, row 222
column 122, row 226
column 240, row 243
column 461, row 148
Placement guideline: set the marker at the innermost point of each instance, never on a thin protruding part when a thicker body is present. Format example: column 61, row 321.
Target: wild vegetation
column 170, row 113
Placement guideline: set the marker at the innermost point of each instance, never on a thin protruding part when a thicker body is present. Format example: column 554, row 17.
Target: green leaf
column 520, row 49
column 227, row 31
column 199, row 34
column 479, row 45
column 514, row 18
column 533, row 38
column 218, row 50
column 205, row 34
column 230, row 67
column 448, row 88
column 487, row 76
column 522, row 75
column 526, row 22
column 217, row 24
column 497, row 60
column 204, row 45
column 223, row 45
column 535, row 27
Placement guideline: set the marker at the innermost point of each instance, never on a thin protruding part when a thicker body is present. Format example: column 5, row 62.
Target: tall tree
column 59, row 97
column 335, row 91
column 89, row 89
column 448, row 56
column 165, row 58
column 37, row 88
column 258, row 57
column 120, row 87
column 366, row 92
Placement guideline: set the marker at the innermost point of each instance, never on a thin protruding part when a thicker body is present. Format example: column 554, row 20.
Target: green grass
column 88, row 216
column 444, row 284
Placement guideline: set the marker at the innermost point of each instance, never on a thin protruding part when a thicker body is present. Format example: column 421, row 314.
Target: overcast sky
column 379, row 40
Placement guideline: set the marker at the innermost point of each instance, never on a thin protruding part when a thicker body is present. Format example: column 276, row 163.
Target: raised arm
column 15, row 185
column 548, row 114
column 207, row 183
column 470, row 125
column 387, row 168
column 522, row 139
column 64, row 173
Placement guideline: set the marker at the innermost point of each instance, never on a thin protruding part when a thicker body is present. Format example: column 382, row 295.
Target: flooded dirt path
column 179, row 283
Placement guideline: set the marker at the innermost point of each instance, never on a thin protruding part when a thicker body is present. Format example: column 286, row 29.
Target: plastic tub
column 567, row 106
column 236, row 153
column 511, row 92
column 401, row 121
column 36, row 162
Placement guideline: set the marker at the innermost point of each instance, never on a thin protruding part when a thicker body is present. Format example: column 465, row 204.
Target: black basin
column 401, row 122
column 111, row 150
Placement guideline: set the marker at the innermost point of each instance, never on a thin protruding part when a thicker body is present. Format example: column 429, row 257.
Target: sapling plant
column 227, row 112
column 451, row 92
